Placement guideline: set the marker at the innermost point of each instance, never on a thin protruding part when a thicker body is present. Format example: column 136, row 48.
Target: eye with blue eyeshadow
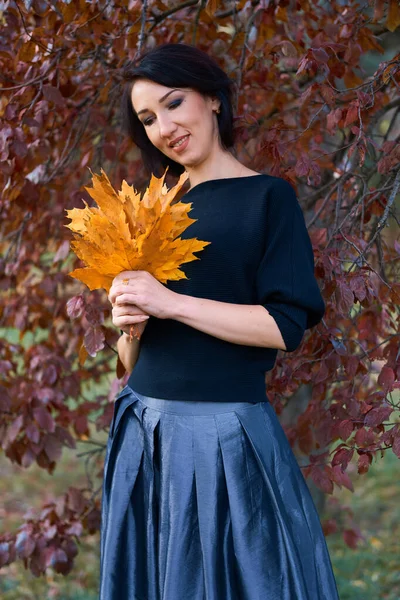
column 171, row 106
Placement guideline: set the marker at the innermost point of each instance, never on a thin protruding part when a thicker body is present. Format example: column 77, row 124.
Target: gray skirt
column 206, row 501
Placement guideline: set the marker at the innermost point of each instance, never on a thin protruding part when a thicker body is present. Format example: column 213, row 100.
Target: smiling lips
column 181, row 143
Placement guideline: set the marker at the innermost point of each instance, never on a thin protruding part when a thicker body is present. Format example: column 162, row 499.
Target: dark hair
column 176, row 65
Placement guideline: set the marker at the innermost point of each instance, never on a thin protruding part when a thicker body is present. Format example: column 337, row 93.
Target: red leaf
column 51, row 532
column 364, row 462
column 320, row 477
column 65, row 437
column 32, row 433
column 62, row 251
column 44, row 419
column 328, row 94
column 352, row 113
column 357, row 286
column 386, row 378
column 93, row 315
column 351, row 365
column 323, row 373
column 4, row 553
column 342, row 478
column 75, row 528
column 351, row 538
column 302, row 166
column 364, row 437
column 5, row 400
column 396, row 444
column 53, row 94
column 329, row 526
column 94, row 340
column 49, row 375
column 70, row 545
column 76, row 500
column 37, row 564
column 318, row 236
column 52, row 447
column 75, row 306
column 27, row 458
column 92, row 521
column 81, row 425
column 342, row 457
column 345, row 297
column 320, row 54
column 14, row 429
column 378, row 415
column 305, row 441
column 304, row 64
column 24, row 544
column 57, row 559
column 5, row 367
column 346, row 429
column 333, row 119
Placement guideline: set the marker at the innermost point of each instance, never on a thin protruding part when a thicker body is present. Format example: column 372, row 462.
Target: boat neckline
column 224, row 179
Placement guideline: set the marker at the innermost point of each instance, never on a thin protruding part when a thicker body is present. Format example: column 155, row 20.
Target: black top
column 260, row 253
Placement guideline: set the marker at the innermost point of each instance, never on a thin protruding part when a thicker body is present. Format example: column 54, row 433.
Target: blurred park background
column 318, row 103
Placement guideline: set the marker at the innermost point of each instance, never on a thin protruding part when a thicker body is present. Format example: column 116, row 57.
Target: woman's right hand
column 126, row 315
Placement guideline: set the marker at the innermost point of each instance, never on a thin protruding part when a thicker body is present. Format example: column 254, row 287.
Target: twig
column 35, row 79
column 382, row 220
column 31, row 38
column 141, row 36
column 197, row 19
column 167, row 13
column 249, row 25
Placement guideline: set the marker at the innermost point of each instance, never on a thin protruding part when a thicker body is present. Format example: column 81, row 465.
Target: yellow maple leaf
column 126, row 232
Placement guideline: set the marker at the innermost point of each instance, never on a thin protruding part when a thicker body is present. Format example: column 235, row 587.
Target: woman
column 202, row 495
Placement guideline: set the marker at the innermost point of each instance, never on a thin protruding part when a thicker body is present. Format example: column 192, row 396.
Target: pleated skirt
column 206, row 501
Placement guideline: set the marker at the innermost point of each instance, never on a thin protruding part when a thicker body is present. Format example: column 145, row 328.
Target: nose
column 166, row 126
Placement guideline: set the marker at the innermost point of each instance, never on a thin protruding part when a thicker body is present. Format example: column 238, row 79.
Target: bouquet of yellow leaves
column 126, row 233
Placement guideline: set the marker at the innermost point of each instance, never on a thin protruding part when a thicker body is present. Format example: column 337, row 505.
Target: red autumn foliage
column 310, row 109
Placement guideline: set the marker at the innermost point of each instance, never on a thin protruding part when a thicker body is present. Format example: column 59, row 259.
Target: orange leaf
column 211, row 7
column 393, row 18
column 125, row 232
column 83, row 354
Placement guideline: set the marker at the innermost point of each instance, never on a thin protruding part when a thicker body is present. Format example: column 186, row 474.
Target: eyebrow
column 160, row 100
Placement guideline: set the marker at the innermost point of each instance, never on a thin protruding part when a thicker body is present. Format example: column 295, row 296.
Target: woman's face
column 168, row 114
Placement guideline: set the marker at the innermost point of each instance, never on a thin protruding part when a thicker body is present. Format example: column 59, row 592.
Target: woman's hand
column 126, row 315
column 142, row 294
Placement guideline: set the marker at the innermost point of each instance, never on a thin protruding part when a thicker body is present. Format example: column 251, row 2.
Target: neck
column 219, row 164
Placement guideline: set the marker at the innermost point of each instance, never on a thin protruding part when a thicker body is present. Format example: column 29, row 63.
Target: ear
column 215, row 103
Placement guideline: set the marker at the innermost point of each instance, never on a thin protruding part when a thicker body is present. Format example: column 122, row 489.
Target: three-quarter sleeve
column 285, row 282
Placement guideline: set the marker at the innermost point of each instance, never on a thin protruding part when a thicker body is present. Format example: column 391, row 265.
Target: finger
column 126, row 298
column 130, row 320
column 127, row 309
column 112, row 293
column 117, row 290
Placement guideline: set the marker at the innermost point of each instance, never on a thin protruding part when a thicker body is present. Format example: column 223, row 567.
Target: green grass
column 371, row 571
column 21, row 489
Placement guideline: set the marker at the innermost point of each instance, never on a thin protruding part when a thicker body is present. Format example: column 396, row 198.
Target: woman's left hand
column 145, row 291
